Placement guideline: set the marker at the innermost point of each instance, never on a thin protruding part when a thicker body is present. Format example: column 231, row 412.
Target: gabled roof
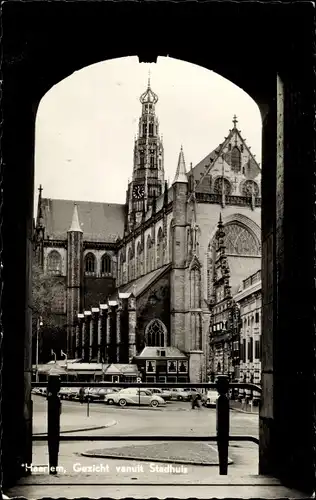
column 140, row 285
column 204, row 167
column 153, row 352
column 100, row 222
column 121, row 369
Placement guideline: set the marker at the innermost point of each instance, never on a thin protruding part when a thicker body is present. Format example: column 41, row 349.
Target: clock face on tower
column 138, row 192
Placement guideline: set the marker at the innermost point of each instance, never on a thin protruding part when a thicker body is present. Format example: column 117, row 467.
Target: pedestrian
column 81, row 395
column 195, row 400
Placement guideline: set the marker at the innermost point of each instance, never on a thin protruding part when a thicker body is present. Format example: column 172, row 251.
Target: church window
column 141, row 159
column 250, row 187
column 54, row 262
column 89, row 264
column 239, row 240
column 145, row 129
column 218, row 186
column 241, row 148
column 156, row 334
column 160, row 248
column 106, row 264
column 195, row 288
column 148, row 255
column 130, row 266
column 229, row 147
column 151, row 129
column 139, row 270
column 170, row 241
column 152, row 161
column 236, row 159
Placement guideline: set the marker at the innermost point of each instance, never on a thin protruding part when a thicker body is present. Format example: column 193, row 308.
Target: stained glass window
column 54, row 262
column 236, row 159
column 160, row 248
column 218, row 186
column 156, row 334
column 106, row 264
column 250, row 187
column 90, row 263
column 240, row 241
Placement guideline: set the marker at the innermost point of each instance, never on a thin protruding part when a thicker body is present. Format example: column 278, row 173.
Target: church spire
column 75, row 225
column 181, row 173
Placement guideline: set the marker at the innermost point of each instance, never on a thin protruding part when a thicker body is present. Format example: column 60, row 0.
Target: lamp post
column 39, row 323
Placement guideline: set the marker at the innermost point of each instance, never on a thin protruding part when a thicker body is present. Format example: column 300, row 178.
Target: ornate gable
column 231, row 168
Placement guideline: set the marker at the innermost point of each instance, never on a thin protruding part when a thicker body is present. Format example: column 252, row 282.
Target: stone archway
column 36, row 57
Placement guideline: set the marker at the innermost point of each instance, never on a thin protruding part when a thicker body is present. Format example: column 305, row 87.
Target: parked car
column 73, row 393
column 135, row 396
column 65, row 392
column 163, row 393
column 98, row 393
column 180, row 394
column 211, row 398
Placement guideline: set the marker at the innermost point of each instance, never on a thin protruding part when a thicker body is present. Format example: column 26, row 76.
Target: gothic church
column 136, row 280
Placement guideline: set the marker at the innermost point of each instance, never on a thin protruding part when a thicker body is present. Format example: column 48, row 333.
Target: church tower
column 148, row 171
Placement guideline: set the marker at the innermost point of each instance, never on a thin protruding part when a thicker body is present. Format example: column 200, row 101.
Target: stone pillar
column 112, row 331
column 287, row 449
column 132, row 319
column 195, row 366
column 74, row 275
column 102, row 323
column 108, row 336
column 177, row 276
column 94, row 329
column 79, row 351
column 86, row 339
column 124, row 327
column 118, row 330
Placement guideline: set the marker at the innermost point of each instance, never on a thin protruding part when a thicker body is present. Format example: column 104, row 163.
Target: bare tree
column 48, row 306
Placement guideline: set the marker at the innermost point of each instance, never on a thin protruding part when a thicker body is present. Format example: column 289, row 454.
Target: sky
column 86, row 124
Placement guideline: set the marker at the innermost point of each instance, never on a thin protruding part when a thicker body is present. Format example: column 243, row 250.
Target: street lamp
column 38, row 326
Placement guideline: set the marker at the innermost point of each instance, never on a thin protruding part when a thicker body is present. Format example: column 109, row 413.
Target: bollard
column 53, row 421
column 222, row 423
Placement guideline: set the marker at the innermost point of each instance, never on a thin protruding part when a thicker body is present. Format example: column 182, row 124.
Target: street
column 177, row 418
column 143, row 469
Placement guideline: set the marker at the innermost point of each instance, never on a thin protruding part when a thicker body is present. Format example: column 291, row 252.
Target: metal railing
column 222, row 437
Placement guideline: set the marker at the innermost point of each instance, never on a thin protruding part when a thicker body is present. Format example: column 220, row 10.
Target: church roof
column 204, row 167
column 140, row 285
column 100, row 222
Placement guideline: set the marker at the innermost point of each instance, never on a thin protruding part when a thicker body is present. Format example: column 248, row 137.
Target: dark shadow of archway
column 44, row 43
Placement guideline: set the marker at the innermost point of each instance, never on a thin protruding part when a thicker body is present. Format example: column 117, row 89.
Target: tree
column 48, row 296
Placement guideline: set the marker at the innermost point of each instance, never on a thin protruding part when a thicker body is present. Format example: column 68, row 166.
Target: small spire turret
column 75, row 225
column 181, row 174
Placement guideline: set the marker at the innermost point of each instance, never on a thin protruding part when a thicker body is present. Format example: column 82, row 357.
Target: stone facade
column 248, row 299
column 156, row 251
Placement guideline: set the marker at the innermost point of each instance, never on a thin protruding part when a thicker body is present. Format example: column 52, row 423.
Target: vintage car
column 163, row 393
column 211, row 398
column 135, row 396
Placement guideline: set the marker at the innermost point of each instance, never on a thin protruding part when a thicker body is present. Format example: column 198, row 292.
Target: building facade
column 249, row 302
column 140, row 275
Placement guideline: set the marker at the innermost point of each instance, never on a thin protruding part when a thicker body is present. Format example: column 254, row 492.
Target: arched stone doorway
column 36, row 57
